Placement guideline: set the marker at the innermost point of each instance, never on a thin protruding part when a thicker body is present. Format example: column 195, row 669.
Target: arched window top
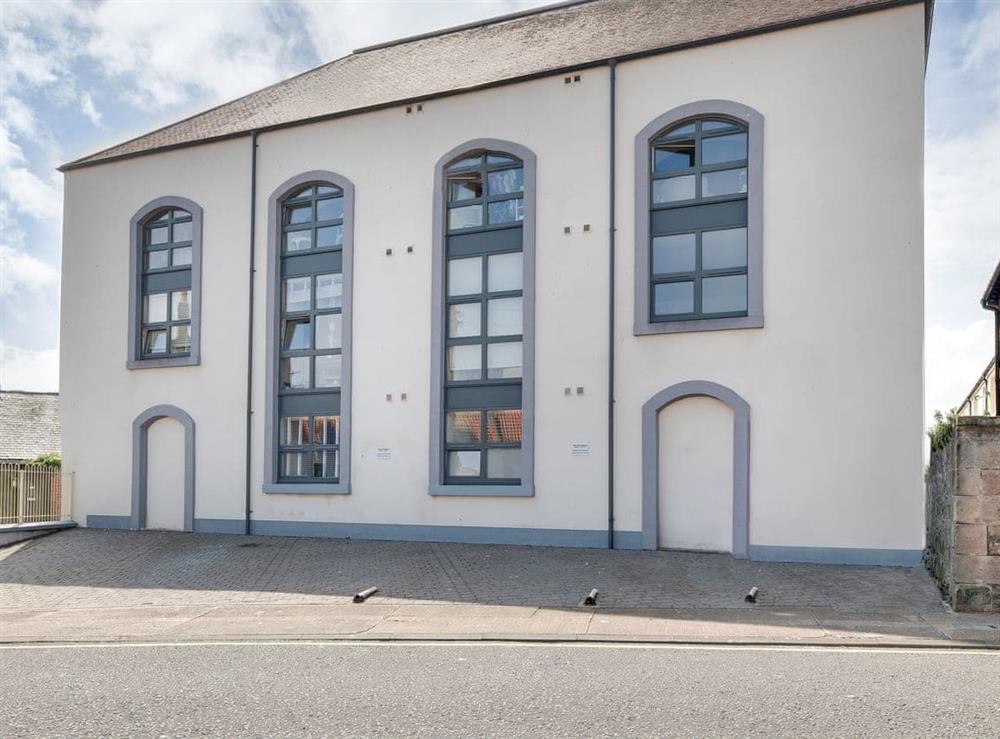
column 485, row 190
column 313, row 218
column 701, row 159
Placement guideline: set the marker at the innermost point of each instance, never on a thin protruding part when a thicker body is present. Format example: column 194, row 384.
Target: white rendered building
column 621, row 271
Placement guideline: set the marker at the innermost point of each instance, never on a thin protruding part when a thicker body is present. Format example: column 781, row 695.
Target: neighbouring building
column 638, row 273
column 29, row 425
column 963, row 491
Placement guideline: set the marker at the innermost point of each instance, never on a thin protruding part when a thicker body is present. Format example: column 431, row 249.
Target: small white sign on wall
column 579, row 449
column 383, row 453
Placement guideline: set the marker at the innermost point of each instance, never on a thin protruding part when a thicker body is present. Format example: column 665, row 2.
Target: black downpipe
column 611, row 314
column 253, row 270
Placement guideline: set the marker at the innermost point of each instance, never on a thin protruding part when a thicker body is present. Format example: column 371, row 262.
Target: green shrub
column 49, row 459
column 943, row 430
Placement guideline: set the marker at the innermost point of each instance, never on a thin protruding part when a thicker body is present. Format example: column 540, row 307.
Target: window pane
column 156, row 259
column 154, row 341
column 506, row 211
column 504, row 426
column 165, row 215
column 685, row 130
column 159, row 235
column 305, row 192
column 721, row 249
column 463, row 464
column 295, row 334
column 329, row 236
column 293, row 464
column 295, row 431
column 327, row 430
column 724, row 294
column 672, row 189
column 465, row 362
column 180, row 305
column 298, row 240
column 183, row 231
column 155, row 308
column 180, row 339
column 326, row 189
column 465, row 217
column 328, row 370
column 720, row 149
column 726, row 182
column 673, row 253
column 464, row 187
column 295, row 372
column 298, row 214
column 503, row 463
column 326, row 463
column 504, row 317
column 329, row 291
column 466, row 163
column 673, row 298
column 463, row 427
column 497, row 159
column 675, row 155
column 503, row 361
column 330, row 209
column 465, row 319
column 328, row 332
column 505, row 181
column 465, row 276
column 181, row 256
column 505, row 271
column 715, row 125
column 298, row 294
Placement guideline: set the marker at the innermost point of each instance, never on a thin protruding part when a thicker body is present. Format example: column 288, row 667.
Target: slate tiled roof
column 560, row 37
column 29, row 424
column 991, row 298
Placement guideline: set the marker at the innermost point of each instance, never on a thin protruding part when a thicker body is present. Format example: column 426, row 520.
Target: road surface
column 490, row 689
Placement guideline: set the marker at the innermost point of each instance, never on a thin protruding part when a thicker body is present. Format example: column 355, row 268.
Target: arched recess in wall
column 140, row 456
column 741, row 458
column 482, row 333
column 310, row 256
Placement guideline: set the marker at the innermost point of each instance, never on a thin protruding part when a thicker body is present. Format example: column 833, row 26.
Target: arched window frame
column 137, row 225
column 437, row 484
column 271, row 420
column 754, row 121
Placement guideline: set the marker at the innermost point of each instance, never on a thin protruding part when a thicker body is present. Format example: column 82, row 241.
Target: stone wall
column 963, row 515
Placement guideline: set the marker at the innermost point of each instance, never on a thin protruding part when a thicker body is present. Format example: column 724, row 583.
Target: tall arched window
column 484, row 278
column 309, row 341
column 698, row 220
column 164, row 295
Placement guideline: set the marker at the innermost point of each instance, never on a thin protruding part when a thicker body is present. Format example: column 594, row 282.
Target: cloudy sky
column 78, row 76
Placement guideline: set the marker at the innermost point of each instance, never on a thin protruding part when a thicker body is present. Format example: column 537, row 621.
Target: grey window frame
column 272, row 483
column 644, row 323
column 438, row 482
column 137, row 225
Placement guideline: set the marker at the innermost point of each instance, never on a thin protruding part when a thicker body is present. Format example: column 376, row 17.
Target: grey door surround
column 140, row 457
column 651, row 459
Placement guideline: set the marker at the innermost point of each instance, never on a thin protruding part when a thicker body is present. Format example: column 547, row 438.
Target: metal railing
column 982, row 399
column 34, row 493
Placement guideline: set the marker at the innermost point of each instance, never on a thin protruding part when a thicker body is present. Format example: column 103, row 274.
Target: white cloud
column 89, row 109
column 955, row 358
column 20, row 272
column 26, row 369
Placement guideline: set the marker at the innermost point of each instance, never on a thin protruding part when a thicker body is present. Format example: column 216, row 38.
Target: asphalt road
column 447, row 689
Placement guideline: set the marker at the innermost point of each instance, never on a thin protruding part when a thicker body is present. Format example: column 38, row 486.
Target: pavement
column 86, row 585
column 449, row 689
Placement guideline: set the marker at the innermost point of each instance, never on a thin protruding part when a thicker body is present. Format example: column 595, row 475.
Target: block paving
column 88, row 568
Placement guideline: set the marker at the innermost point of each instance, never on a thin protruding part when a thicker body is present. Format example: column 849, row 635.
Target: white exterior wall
column 833, row 379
